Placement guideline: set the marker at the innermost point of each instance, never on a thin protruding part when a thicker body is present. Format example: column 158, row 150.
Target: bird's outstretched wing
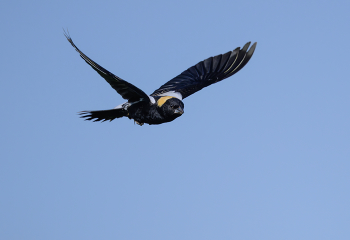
column 125, row 89
column 207, row 72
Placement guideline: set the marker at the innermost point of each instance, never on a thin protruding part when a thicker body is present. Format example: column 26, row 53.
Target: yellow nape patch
column 162, row 100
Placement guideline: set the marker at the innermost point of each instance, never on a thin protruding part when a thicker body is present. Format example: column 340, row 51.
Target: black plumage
column 165, row 104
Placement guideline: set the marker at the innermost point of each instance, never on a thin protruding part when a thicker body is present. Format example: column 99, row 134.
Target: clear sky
column 261, row 155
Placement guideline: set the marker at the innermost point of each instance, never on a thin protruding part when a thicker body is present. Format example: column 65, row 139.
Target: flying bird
column 165, row 104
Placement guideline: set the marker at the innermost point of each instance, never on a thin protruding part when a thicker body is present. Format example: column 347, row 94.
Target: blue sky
column 262, row 155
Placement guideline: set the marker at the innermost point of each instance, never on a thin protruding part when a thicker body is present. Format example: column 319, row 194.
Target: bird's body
column 165, row 104
column 154, row 113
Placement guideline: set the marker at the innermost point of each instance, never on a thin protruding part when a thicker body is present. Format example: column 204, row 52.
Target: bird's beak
column 179, row 111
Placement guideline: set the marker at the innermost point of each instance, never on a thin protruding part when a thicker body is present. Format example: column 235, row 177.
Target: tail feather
column 103, row 115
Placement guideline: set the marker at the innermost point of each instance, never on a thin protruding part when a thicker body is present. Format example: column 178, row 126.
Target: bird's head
column 170, row 107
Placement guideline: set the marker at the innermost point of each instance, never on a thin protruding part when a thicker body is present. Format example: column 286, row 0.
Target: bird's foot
column 138, row 123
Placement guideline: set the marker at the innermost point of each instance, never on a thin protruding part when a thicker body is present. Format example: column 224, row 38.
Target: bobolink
column 165, row 104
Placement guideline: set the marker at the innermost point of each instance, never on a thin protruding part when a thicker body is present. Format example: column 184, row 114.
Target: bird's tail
column 104, row 115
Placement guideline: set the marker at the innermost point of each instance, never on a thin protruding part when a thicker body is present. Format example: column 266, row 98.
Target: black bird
column 165, row 104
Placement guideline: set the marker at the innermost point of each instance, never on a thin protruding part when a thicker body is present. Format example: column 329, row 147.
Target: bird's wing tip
column 66, row 34
column 252, row 48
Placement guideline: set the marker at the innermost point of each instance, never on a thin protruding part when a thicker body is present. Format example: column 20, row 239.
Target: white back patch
column 120, row 106
column 173, row 94
column 152, row 99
